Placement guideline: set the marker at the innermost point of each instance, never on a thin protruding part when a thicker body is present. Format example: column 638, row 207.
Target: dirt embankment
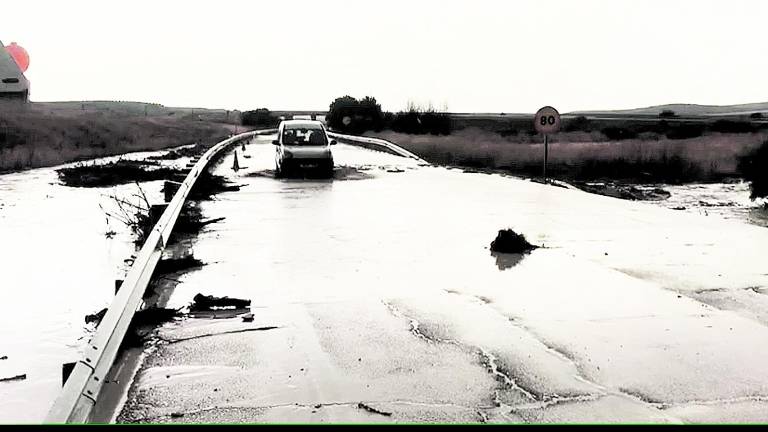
column 31, row 137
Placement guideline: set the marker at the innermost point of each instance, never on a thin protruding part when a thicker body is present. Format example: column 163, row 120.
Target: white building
column 13, row 83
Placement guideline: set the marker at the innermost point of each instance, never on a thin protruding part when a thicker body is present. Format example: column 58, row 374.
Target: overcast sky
column 468, row 55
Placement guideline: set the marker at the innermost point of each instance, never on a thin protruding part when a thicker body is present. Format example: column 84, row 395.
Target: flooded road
column 57, row 264
column 375, row 298
column 725, row 200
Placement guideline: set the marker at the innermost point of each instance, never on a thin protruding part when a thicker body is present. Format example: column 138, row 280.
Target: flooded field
column 60, row 255
column 726, row 200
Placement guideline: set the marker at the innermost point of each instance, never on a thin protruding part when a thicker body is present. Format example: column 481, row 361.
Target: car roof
column 302, row 123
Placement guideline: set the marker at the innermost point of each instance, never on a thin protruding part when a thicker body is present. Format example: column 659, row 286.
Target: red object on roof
column 19, row 54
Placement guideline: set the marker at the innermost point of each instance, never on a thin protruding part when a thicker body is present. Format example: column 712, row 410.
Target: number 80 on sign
column 547, row 121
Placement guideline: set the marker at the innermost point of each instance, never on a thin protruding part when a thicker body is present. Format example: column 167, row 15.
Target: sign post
column 547, row 121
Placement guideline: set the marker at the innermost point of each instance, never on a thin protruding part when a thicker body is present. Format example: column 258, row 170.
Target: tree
column 348, row 114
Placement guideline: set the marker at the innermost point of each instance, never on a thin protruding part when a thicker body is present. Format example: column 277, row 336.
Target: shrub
column 421, row 121
column 618, row 133
column 579, row 123
column 730, row 126
column 753, row 166
column 667, row 114
column 685, row 130
column 261, row 117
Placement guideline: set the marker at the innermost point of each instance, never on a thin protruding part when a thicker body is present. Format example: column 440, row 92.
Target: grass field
column 586, row 156
column 35, row 135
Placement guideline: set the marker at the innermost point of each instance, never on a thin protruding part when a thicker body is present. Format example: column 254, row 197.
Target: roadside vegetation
column 754, row 167
column 33, row 135
column 585, row 156
column 420, row 121
column 349, row 115
column 664, row 148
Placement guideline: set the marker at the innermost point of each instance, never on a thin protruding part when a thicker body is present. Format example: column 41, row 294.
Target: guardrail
column 377, row 142
column 80, row 392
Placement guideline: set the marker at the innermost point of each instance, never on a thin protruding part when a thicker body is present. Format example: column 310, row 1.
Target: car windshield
column 304, row 135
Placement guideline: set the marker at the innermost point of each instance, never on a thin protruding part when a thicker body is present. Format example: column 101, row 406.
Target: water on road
column 376, row 298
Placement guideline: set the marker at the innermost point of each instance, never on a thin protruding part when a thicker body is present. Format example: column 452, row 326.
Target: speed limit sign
column 547, row 121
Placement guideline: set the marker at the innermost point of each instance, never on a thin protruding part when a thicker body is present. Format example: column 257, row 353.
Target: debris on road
column 144, row 323
column 190, row 221
column 373, row 410
column 508, row 241
column 208, row 185
column 133, row 211
column 96, row 318
column 155, row 316
column 628, row 192
column 717, row 204
column 208, row 303
column 14, row 378
column 123, row 171
column 192, row 151
column 149, row 316
column 174, row 265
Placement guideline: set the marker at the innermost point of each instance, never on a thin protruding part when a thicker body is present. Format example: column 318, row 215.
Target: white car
column 303, row 145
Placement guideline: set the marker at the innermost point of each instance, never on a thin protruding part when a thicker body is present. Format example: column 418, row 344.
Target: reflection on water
column 505, row 261
column 60, row 258
column 342, row 172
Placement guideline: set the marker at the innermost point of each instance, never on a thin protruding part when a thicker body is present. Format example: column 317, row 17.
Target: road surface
column 377, row 299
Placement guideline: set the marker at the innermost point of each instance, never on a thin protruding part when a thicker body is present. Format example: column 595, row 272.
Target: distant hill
column 688, row 110
column 153, row 110
column 139, row 109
